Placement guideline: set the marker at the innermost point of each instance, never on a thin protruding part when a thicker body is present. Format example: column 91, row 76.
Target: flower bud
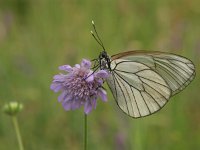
column 12, row 108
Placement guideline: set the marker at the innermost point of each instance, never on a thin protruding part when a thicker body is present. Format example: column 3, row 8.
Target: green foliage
column 38, row 36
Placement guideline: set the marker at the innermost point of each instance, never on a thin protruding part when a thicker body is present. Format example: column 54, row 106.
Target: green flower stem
column 85, row 132
column 19, row 138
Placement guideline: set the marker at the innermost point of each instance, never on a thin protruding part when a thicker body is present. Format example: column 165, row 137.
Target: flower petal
column 90, row 77
column 75, row 104
column 102, row 74
column 67, row 68
column 94, row 103
column 59, row 77
column 67, row 105
column 67, row 98
column 86, row 63
column 62, row 97
column 99, row 81
column 56, row 87
column 87, row 107
column 102, row 93
column 77, row 66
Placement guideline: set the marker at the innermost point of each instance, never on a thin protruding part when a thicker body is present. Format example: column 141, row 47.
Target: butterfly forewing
column 142, row 82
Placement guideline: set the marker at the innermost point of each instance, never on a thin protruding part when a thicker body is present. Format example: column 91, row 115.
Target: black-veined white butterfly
column 142, row 82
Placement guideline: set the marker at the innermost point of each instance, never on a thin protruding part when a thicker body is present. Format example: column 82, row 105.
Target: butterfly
column 141, row 81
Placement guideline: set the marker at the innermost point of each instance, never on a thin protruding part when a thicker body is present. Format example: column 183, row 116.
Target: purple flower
column 80, row 86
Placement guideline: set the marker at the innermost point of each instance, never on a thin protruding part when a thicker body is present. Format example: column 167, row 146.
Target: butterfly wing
column 142, row 82
column 176, row 70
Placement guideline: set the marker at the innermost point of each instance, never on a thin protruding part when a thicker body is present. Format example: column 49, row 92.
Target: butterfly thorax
column 104, row 60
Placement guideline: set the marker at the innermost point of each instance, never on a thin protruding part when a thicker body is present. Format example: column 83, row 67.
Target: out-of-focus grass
column 38, row 36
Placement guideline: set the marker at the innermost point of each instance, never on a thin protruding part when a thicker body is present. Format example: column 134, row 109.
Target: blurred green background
column 36, row 36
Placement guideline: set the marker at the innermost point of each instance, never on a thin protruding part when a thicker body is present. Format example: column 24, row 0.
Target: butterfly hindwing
column 138, row 90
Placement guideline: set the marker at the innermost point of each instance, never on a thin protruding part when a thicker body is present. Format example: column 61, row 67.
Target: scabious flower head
column 79, row 86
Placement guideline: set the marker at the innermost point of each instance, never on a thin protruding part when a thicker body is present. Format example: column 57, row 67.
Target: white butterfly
column 142, row 82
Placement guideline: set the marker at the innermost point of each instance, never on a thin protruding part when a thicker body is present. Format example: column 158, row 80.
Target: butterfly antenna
column 97, row 38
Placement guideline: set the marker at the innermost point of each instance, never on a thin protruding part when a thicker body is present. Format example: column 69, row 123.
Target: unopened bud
column 92, row 22
column 12, row 108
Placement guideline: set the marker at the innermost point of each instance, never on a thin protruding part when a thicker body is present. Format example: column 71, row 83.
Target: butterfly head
column 104, row 60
